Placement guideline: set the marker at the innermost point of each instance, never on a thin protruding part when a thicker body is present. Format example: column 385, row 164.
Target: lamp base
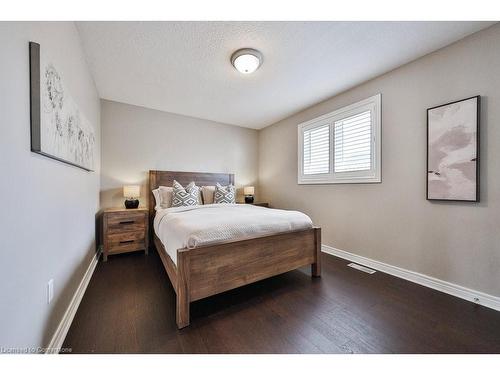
column 248, row 198
column 132, row 203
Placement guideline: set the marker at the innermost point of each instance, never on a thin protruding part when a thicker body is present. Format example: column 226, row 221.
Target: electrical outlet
column 50, row 291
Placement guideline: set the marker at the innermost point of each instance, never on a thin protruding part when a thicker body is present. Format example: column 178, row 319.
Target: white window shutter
column 316, row 150
column 353, row 143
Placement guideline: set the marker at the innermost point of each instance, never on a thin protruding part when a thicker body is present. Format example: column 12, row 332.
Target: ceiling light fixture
column 246, row 60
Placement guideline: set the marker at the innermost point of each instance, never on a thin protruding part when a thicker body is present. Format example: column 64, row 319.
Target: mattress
column 210, row 224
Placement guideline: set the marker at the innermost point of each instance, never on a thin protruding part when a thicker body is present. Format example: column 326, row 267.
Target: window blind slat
column 357, row 116
column 354, row 169
column 356, row 149
column 355, row 134
column 357, row 120
column 356, row 159
column 353, row 143
column 357, row 124
column 347, row 136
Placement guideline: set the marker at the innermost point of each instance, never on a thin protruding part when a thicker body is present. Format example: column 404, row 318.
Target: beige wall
column 47, row 215
column 392, row 222
column 137, row 139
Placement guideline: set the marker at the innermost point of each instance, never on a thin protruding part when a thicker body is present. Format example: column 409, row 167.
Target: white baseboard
column 471, row 295
column 62, row 330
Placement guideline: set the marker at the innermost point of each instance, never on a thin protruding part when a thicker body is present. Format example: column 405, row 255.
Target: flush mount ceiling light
column 246, row 60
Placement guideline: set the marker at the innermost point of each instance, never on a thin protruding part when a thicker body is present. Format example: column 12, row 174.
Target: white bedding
column 192, row 226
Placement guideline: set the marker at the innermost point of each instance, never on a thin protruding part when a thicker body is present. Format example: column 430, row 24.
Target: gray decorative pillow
column 224, row 194
column 185, row 196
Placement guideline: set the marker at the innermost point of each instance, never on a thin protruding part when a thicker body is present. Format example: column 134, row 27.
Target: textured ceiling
column 184, row 67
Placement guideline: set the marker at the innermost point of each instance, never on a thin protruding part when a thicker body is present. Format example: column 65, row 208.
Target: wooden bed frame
column 209, row 270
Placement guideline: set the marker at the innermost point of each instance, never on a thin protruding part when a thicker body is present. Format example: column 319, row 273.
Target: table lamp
column 131, row 193
column 249, row 192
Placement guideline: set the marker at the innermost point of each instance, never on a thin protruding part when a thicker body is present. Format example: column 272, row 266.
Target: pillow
column 163, row 197
column 224, row 194
column 156, row 194
column 188, row 196
column 208, row 194
column 166, row 193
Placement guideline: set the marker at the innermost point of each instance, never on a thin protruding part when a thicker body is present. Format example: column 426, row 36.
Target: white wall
column 137, row 139
column 392, row 222
column 47, row 212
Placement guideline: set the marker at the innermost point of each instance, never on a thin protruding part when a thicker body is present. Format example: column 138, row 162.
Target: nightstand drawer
column 127, row 241
column 126, row 247
column 126, row 223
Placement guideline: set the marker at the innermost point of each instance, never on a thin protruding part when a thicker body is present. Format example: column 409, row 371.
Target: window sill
column 375, row 180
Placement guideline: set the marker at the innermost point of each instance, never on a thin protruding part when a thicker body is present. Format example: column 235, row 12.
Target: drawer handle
column 127, row 222
column 129, row 241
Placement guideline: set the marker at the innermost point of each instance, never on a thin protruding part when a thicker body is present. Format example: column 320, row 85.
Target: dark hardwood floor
column 129, row 308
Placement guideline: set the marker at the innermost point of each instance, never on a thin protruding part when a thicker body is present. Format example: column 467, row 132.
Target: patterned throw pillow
column 185, row 196
column 224, row 194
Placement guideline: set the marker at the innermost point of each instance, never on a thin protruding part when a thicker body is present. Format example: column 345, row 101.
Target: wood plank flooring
column 129, row 308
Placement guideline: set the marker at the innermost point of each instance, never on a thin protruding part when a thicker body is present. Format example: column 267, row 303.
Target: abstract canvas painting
column 453, row 151
column 59, row 129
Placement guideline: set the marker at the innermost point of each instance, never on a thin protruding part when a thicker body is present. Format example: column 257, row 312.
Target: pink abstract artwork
column 452, row 156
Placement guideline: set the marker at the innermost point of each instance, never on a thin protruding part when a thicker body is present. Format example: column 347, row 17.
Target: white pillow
column 208, row 194
column 166, row 196
column 156, row 194
column 163, row 197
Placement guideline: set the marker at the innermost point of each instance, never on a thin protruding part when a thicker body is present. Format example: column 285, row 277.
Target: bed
column 214, row 262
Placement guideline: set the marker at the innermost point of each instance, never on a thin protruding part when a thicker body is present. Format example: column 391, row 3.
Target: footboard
column 209, row 270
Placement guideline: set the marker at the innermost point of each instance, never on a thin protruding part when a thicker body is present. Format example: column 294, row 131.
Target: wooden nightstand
column 261, row 204
column 124, row 230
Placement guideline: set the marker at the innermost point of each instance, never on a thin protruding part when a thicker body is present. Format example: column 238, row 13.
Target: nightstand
column 261, row 204
column 124, row 230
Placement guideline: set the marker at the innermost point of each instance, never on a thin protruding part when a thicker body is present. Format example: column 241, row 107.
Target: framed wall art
column 453, row 151
column 59, row 130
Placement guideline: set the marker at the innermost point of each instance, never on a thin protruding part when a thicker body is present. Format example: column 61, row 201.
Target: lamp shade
column 131, row 191
column 249, row 190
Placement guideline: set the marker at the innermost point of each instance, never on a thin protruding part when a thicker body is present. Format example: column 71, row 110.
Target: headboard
column 166, row 178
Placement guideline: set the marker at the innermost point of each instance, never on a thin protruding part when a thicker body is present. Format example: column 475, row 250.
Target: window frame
column 373, row 175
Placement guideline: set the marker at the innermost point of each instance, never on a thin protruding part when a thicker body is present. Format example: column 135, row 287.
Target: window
column 342, row 146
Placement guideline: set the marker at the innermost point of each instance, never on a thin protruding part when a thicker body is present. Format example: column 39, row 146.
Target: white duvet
column 192, row 226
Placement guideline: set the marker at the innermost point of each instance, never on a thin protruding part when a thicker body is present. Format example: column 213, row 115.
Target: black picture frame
column 35, row 107
column 478, row 121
